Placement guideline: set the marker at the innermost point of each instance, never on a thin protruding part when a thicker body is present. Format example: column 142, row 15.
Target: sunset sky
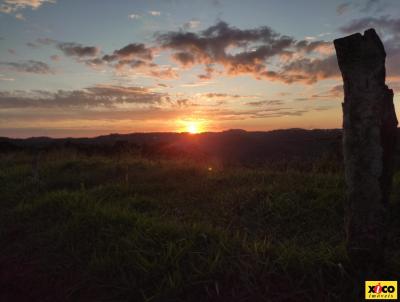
column 86, row 68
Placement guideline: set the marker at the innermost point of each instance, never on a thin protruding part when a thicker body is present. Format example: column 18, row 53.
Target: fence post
column 369, row 136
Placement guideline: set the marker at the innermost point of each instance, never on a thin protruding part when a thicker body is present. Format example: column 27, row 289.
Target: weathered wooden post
column 369, row 136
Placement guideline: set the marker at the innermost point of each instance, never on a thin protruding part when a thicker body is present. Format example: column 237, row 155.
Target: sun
column 193, row 127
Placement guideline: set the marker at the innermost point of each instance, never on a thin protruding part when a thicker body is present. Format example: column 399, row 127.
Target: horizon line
column 162, row 132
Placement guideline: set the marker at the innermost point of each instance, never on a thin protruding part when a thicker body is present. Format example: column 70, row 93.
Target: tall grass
column 135, row 229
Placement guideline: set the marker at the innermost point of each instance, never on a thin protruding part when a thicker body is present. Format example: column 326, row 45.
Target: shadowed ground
column 126, row 228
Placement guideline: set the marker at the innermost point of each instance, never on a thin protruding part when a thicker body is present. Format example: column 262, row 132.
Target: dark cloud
column 309, row 70
column 237, row 51
column 29, row 66
column 210, row 46
column 97, row 96
column 220, row 49
column 70, row 49
column 77, row 50
column 96, row 62
column 185, row 58
column 130, row 52
column 134, row 57
column 265, row 103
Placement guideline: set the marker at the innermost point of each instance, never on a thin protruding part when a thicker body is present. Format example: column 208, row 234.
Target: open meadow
column 125, row 227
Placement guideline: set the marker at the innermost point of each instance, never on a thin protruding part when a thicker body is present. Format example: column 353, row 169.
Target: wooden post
column 369, row 136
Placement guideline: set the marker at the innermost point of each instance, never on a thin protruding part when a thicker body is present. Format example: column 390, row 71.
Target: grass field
column 126, row 228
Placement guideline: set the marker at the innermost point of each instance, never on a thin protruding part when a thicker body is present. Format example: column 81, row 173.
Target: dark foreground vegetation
column 79, row 226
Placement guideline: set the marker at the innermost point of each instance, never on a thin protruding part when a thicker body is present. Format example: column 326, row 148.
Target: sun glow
column 192, row 126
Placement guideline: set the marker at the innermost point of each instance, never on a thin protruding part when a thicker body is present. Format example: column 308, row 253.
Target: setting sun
column 193, row 127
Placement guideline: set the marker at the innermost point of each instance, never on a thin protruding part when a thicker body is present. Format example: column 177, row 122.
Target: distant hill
column 229, row 146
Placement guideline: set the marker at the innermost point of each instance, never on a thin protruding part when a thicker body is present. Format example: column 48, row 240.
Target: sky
column 73, row 68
